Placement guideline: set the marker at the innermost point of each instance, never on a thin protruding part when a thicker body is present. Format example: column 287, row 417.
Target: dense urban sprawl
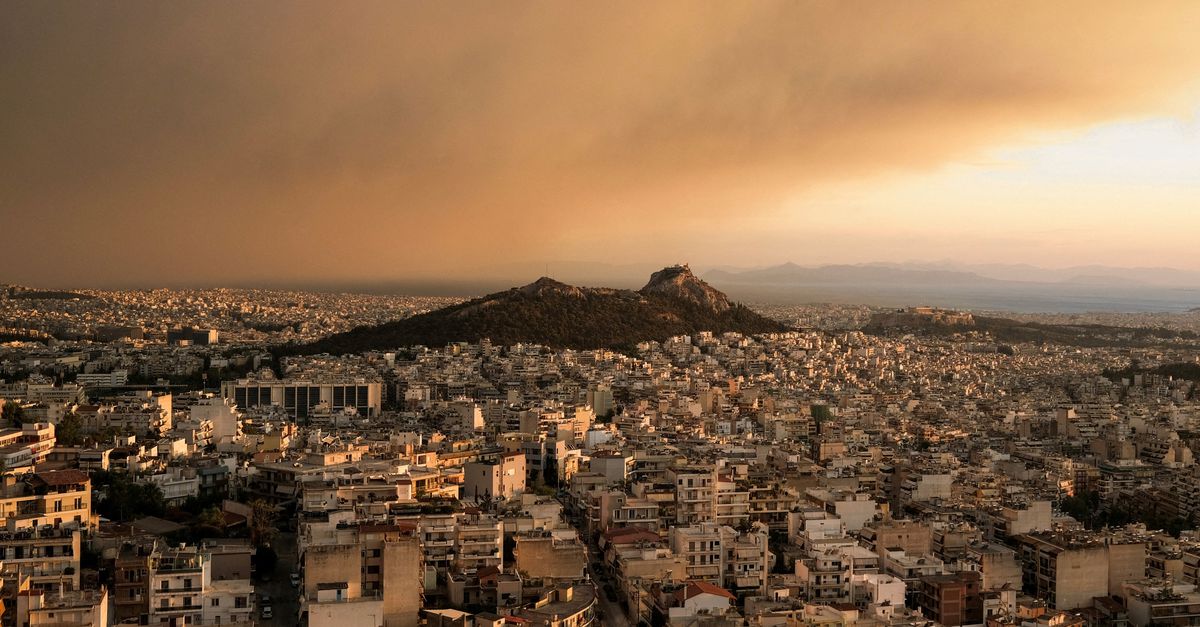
column 164, row 463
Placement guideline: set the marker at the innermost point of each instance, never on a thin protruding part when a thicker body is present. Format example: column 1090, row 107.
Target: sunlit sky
column 1122, row 193
column 146, row 143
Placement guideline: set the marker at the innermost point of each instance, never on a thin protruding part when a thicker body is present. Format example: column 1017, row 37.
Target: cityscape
column 666, row 314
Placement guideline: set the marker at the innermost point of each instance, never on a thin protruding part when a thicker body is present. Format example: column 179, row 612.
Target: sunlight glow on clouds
column 1126, row 192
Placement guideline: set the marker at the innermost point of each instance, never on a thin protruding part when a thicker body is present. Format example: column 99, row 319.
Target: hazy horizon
column 623, row 275
column 1015, row 288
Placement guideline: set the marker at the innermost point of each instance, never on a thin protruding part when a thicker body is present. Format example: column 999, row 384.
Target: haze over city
column 653, row 313
column 304, row 143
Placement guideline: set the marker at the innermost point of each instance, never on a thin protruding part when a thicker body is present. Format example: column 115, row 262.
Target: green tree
column 211, row 517
column 69, row 431
column 262, row 522
column 821, row 414
column 125, row 499
column 12, row 414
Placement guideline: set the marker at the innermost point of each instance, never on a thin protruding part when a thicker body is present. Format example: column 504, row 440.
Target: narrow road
column 285, row 600
column 614, row 613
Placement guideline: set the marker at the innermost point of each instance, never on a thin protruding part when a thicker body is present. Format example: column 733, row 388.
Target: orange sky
column 147, row 143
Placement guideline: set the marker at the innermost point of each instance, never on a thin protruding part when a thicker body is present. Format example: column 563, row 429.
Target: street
column 285, row 600
column 614, row 614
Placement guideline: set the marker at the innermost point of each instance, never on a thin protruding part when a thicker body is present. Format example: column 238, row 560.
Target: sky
column 150, row 143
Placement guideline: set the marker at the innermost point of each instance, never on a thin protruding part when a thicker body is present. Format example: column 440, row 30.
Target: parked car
column 295, row 580
column 266, row 612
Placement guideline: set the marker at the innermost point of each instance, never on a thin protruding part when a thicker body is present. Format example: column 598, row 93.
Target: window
column 239, row 602
column 216, row 603
column 166, row 585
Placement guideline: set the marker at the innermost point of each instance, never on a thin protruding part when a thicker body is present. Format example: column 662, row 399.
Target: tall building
column 131, row 580
column 199, row 337
column 300, row 396
column 502, row 478
column 75, row 608
column 26, row 446
column 1069, row 570
column 722, row 556
column 223, row 414
column 58, row 498
column 183, row 589
column 369, row 575
column 47, row 558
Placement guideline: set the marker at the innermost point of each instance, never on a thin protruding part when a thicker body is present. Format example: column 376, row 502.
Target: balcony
column 177, row 608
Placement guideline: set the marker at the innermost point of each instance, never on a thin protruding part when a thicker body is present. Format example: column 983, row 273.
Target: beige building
column 548, row 555
column 76, row 608
column 478, row 541
column 564, row 606
column 138, row 413
column 1068, row 571
column 503, row 478
column 46, row 558
column 912, row 537
column 722, row 556
column 27, row 446
column 56, row 498
column 374, row 570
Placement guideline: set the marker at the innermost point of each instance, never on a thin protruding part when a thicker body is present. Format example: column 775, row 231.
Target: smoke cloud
column 235, row 141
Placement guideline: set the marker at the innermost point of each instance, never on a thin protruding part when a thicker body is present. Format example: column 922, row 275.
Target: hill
column 1180, row 370
column 673, row 302
column 945, row 324
column 17, row 292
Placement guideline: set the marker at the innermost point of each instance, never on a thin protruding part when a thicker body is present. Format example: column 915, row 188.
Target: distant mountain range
column 947, row 272
column 673, row 302
column 1001, row 287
